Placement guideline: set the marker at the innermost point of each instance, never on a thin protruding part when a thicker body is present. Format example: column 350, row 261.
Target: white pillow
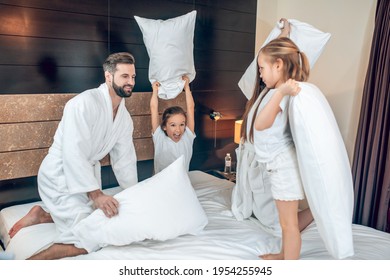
column 162, row 207
column 170, row 47
column 31, row 240
column 310, row 41
column 324, row 168
column 9, row 216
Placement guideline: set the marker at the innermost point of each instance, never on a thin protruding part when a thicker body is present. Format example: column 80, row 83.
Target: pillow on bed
column 162, row 207
column 324, row 168
column 310, row 41
column 170, row 48
column 29, row 240
column 9, row 216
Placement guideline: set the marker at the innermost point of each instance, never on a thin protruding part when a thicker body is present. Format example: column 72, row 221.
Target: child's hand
column 187, row 82
column 285, row 30
column 290, row 87
column 155, row 86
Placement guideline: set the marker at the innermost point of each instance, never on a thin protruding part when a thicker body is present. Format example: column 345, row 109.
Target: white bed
column 224, row 238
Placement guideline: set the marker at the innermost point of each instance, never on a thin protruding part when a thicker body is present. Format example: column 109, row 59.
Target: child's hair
column 296, row 66
column 169, row 112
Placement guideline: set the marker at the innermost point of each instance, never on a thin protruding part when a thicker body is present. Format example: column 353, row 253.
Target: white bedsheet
column 224, row 238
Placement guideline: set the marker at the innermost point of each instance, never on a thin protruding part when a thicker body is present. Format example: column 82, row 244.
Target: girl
column 252, row 193
column 175, row 135
column 280, row 64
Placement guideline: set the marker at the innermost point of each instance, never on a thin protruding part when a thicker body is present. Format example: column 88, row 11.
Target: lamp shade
column 237, row 131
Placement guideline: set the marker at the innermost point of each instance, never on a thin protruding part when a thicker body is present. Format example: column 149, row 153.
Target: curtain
column 371, row 163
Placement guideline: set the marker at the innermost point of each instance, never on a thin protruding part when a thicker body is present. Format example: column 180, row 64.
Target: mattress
column 224, row 238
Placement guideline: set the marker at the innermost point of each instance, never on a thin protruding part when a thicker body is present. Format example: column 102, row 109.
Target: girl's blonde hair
column 296, row 66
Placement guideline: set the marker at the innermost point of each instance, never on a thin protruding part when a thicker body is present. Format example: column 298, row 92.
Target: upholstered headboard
column 28, row 123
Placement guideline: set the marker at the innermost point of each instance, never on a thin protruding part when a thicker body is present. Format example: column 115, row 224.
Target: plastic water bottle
column 228, row 164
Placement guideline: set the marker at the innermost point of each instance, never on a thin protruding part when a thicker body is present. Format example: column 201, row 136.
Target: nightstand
column 220, row 174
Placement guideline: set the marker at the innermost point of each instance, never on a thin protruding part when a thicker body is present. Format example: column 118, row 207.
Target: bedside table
column 220, row 174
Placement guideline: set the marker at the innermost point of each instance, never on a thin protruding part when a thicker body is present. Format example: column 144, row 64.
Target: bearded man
column 94, row 123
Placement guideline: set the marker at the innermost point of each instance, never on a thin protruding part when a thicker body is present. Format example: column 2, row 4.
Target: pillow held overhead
column 169, row 44
column 309, row 39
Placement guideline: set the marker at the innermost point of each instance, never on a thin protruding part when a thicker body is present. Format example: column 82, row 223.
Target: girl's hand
column 290, row 87
column 285, row 31
column 187, row 82
column 155, row 86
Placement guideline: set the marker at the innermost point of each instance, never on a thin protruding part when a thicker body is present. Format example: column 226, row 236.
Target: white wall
column 341, row 69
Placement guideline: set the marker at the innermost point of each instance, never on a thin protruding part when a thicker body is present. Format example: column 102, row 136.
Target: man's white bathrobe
column 86, row 133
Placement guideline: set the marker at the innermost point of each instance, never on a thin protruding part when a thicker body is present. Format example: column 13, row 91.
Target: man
column 95, row 123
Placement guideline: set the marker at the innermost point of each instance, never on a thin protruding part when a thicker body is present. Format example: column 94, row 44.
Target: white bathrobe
column 86, row 134
column 252, row 192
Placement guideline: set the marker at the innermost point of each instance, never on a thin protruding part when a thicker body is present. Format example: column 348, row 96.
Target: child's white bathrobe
column 252, row 192
column 86, row 134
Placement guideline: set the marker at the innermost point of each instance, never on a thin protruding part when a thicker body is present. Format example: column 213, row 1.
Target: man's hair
column 117, row 58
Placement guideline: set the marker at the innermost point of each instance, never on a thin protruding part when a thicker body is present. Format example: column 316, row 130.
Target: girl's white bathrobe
column 252, row 193
column 86, row 134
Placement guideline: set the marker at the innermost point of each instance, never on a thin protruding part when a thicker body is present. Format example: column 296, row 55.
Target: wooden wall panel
column 27, row 136
column 26, row 163
column 26, row 107
column 46, row 56
column 31, row 22
column 75, row 6
column 21, row 164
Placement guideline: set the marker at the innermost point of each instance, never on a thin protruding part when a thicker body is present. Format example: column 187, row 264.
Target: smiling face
column 175, row 127
column 269, row 72
column 123, row 80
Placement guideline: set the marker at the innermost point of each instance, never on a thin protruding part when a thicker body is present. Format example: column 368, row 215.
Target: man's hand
column 106, row 203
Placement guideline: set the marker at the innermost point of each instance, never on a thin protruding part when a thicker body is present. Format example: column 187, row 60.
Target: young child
column 281, row 64
column 175, row 135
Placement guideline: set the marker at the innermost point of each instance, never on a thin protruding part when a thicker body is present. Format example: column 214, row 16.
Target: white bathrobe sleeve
column 77, row 121
column 123, row 157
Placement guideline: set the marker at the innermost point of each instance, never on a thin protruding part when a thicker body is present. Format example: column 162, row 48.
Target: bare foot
column 279, row 256
column 35, row 216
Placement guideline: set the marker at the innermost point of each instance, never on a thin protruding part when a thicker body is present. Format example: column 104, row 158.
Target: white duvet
column 224, row 238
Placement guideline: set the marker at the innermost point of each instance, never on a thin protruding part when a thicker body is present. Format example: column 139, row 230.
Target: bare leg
column 35, row 216
column 304, row 218
column 58, row 251
column 291, row 237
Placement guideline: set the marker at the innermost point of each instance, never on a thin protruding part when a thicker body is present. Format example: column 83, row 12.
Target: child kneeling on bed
column 175, row 135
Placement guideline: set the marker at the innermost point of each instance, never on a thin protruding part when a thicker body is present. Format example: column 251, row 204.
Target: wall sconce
column 215, row 115
column 237, row 131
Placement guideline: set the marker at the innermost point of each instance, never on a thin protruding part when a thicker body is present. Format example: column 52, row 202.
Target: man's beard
column 120, row 90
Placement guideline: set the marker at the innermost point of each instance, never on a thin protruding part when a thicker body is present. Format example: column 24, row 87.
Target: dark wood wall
column 59, row 46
